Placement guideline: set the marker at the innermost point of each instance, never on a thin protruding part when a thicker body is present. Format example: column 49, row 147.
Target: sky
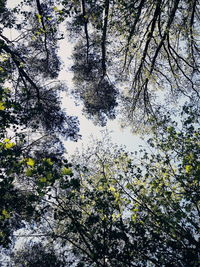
column 87, row 128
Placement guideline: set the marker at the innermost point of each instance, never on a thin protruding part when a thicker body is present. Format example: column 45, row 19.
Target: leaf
column 49, row 176
column 112, row 189
column 5, row 214
column 100, row 188
column 9, row 145
column 66, row 171
column 134, row 217
column 30, row 162
column 188, row 168
column 29, row 172
column 39, row 17
column 2, row 107
column 43, row 180
column 48, row 160
column 56, row 9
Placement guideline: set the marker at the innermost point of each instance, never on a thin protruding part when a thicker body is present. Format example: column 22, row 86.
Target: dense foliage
column 122, row 209
column 103, row 206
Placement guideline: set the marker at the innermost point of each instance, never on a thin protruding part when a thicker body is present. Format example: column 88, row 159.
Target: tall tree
column 33, row 66
column 92, row 83
column 116, row 208
column 32, row 120
column 149, row 45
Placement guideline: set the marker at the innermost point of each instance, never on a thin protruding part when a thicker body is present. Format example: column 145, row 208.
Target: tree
column 92, row 84
column 32, row 65
column 133, row 210
column 149, row 46
column 134, row 48
column 29, row 105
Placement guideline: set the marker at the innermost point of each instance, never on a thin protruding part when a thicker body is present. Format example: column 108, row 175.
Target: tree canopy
column 134, row 209
column 111, row 207
column 143, row 46
column 128, row 50
column 102, row 206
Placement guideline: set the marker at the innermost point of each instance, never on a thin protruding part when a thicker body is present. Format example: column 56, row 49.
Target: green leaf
column 29, row 172
column 5, row 214
column 66, row 171
column 48, row 160
column 43, row 180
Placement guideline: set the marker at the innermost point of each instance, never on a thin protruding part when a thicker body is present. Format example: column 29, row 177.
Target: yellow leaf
column 117, row 196
column 134, row 217
column 30, row 162
column 4, row 57
column 39, row 17
column 82, row 197
column 100, row 188
column 9, row 145
column 188, row 168
column 112, row 189
column 2, row 107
